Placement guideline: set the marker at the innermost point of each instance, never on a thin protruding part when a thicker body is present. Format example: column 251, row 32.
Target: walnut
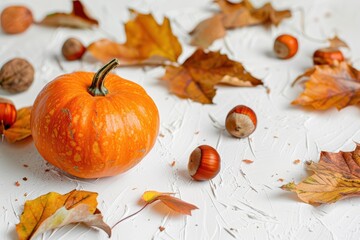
column 16, row 75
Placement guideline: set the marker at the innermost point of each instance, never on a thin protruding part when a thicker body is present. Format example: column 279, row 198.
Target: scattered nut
column 241, row 121
column 16, row 75
column 329, row 56
column 73, row 49
column 16, row 19
column 204, row 163
column 285, row 46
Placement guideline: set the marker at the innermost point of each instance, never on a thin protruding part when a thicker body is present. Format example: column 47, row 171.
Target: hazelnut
column 16, row 19
column 285, row 46
column 7, row 114
column 16, row 75
column 204, row 163
column 73, row 49
column 329, row 56
column 241, row 121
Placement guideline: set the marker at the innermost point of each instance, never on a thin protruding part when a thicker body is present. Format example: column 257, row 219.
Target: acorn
column 329, row 56
column 285, row 46
column 73, row 49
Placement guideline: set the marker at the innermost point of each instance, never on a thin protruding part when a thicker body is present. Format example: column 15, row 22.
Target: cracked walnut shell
column 16, row 75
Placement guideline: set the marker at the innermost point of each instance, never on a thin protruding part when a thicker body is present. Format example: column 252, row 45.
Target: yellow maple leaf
column 147, row 43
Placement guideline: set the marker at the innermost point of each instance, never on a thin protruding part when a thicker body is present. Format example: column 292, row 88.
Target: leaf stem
column 131, row 215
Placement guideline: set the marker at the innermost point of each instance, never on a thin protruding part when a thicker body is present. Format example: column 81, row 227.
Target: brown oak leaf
column 336, row 176
column 78, row 18
column 330, row 86
column 147, row 43
column 336, row 42
column 54, row 210
column 21, row 128
column 197, row 76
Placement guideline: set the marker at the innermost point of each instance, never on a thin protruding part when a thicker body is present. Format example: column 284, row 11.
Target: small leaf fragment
column 54, row 210
column 336, row 176
column 147, row 43
column 336, row 42
column 173, row 203
column 78, row 18
column 330, row 86
column 21, row 128
column 197, row 76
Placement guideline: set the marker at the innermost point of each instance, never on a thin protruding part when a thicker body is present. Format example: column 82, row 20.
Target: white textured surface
column 243, row 201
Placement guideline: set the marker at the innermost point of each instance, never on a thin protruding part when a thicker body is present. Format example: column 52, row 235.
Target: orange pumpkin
column 93, row 130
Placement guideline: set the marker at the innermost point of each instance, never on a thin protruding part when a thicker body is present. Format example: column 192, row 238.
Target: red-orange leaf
column 197, row 76
column 174, row 203
column 336, row 176
column 54, row 210
column 21, row 128
column 147, row 43
column 78, row 18
column 330, row 86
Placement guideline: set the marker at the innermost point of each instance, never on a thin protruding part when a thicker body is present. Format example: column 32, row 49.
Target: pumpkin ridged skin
column 93, row 136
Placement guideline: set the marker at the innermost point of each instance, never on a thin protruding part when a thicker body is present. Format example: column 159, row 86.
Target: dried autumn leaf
column 336, row 42
column 235, row 15
column 147, row 43
column 336, row 176
column 54, row 210
column 174, row 203
column 197, row 76
column 78, row 18
column 330, row 86
column 21, row 128
column 207, row 31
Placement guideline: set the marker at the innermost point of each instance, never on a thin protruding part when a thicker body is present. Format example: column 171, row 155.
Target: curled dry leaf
column 21, row 128
column 54, row 210
column 78, row 18
column 147, row 43
column 235, row 15
column 336, row 42
column 174, row 203
column 197, row 76
column 330, row 86
column 336, row 176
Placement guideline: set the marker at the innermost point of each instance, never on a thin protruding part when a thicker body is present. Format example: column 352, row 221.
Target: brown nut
column 7, row 114
column 16, row 75
column 204, row 163
column 241, row 121
column 73, row 49
column 16, row 19
column 285, row 46
column 329, row 56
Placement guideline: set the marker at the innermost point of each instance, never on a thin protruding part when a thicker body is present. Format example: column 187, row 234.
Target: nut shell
column 241, row 121
column 7, row 113
column 329, row 56
column 16, row 19
column 16, row 75
column 285, row 46
column 73, row 49
column 204, row 163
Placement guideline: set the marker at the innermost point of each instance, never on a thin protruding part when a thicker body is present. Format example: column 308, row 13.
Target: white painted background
column 243, row 201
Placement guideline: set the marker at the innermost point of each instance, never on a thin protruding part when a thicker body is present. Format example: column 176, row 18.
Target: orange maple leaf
column 174, row 203
column 54, row 210
column 21, row 128
column 147, row 43
column 78, row 18
column 336, row 176
column 330, row 86
column 197, row 76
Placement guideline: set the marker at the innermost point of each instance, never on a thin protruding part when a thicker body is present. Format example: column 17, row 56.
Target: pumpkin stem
column 97, row 87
